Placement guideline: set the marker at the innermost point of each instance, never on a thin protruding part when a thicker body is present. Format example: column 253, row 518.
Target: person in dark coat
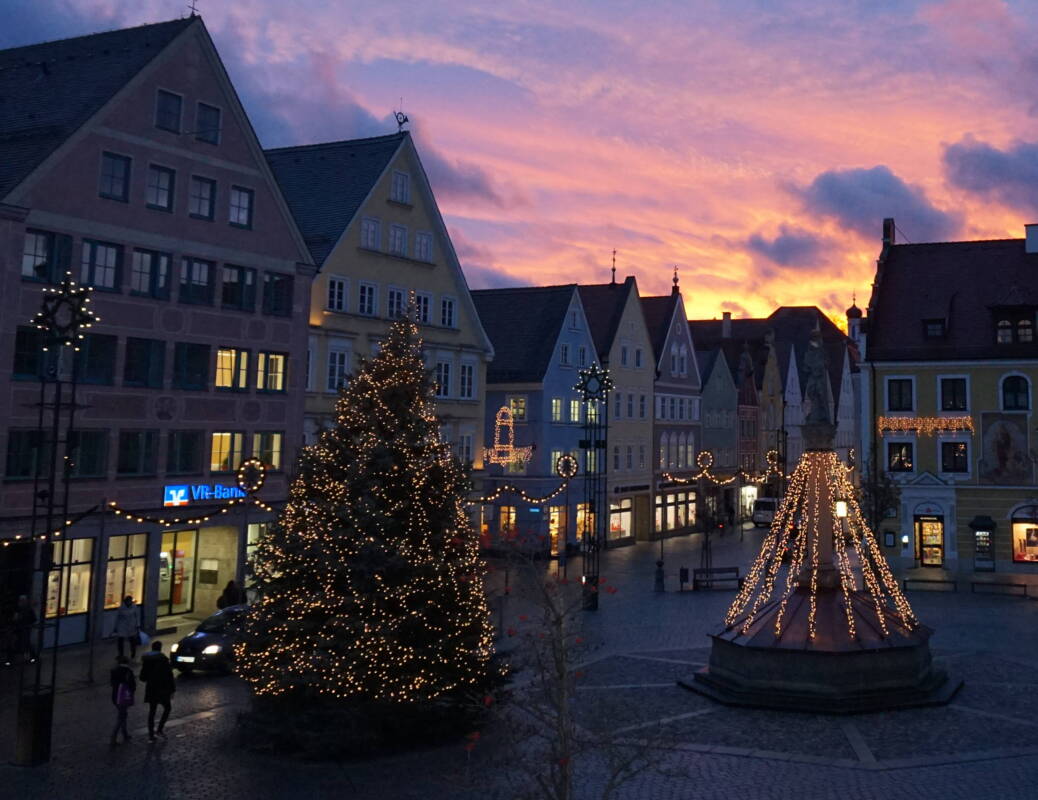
column 232, row 596
column 123, row 688
column 157, row 675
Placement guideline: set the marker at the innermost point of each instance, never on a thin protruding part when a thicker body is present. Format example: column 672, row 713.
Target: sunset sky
column 755, row 145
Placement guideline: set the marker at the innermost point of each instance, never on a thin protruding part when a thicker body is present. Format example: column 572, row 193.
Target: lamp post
column 594, row 387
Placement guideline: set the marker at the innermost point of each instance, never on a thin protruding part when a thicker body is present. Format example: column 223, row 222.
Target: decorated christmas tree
column 370, row 586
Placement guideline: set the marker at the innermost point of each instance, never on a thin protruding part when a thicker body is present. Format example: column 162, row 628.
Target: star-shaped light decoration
column 64, row 313
column 594, row 384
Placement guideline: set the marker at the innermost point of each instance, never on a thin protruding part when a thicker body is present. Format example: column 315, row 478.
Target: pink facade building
column 127, row 159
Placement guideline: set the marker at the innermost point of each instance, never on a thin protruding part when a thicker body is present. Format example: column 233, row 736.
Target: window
column 556, row 410
column 1015, row 393
column 447, row 312
column 467, row 382
column 933, row 328
column 630, row 457
column 465, row 448
column 623, row 356
column 955, row 457
column 190, row 366
column 207, row 123
column 270, row 372
column 630, row 405
column 400, row 191
column 638, row 357
column 621, row 519
column 581, row 356
column 184, row 454
column 266, row 446
column 367, row 300
column 564, row 354
column 443, row 378
column 100, row 265
column 338, row 369
column 277, row 294
column 617, row 404
column 145, row 363
column 238, row 290
column 371, row 234
column 196, row 281
column 38, row 256
column 167, row 111
column 517, row 405
column 616, row 457
column 899, row 394
column 68, row 583
column 506, row 518
column 149, row 274
column 115, row 177
column 1025, row 331
column 95, row 361
column 593, row 408
column 232, row 368
column 641, row 456
column 1025, row 534
column 201, row 200
column 337, row 296
column 241, row 207
column 423, row 304
column 1004, row 331
column 29, row 357
column 675, row 510
column 953, row 394
column 397, row 303
column 226, row 451
column 158, row 192
column 423, row 246
column 899, row 456
column 137, row 451
column 398, row 240
column 88, row 454
column 574, row 411
column 124, row 572
column 27, row 452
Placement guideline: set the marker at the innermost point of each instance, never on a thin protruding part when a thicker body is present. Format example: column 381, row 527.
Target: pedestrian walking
column 157, row 675
column 123, row 688
column 232, row 596
column 24, row 619
column 128, row 626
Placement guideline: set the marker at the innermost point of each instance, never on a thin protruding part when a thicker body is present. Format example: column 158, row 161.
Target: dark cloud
column 1007, row 176
column 789, row 246
column 860, row 199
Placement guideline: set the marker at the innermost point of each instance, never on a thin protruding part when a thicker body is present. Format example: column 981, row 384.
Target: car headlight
column 174, row 647
column 211, row 650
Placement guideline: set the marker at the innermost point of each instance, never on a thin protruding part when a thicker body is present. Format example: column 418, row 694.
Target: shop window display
column 675, row 510
column 1025, row 535
column 621, row 518
column 124, row 573
column 68, row 584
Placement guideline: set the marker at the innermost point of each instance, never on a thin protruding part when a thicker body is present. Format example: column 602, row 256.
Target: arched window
column 1025, row 331
column 690, row 451
column 1004, row 331
column 1015, row 393
column 681, row 451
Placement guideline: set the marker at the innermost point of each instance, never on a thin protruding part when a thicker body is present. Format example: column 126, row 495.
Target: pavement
column 983, row 745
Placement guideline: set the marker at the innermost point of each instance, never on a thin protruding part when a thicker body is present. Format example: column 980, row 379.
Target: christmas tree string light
column 369, row 585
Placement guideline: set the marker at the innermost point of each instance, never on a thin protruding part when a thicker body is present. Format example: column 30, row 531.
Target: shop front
column 675, row 512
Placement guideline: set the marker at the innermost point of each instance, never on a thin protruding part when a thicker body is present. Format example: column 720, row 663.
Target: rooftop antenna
column 675, row 289
column 613, row 281
column 401, row 117
column 191, row 6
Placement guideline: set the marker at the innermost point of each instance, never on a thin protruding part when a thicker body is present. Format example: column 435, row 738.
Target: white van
column 764, row 509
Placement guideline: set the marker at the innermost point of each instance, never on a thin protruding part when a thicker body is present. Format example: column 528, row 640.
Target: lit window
column 225, row 454
column 574, row 411
column 232, row 368
column 159, row 191
column 241, row 207
column 517, row 405
column 266, row 446
column 400, row 191
column 556, row 409
column 270, row 372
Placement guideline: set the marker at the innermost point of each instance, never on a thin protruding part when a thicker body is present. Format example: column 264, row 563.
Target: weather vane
column 401, row 118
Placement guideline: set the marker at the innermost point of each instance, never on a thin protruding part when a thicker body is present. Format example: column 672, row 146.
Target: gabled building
column 623, row 345
column 372, row 224
column 541, row 340
column 677, row 427
column 127, row 159
column 950, row 365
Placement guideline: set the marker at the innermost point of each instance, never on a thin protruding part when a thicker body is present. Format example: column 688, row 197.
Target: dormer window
column 1004, row 331
column 933, row 328
column 1014, row 326
column 1025, row 331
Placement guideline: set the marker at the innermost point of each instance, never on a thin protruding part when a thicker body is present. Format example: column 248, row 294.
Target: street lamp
column 594, row 387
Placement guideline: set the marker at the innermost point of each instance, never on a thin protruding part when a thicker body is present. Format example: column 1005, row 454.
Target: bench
column 939, row 584
column 708, row 577
column 995, row 587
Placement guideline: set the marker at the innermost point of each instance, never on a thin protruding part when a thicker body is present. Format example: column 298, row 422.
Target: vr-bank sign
column 187, row 493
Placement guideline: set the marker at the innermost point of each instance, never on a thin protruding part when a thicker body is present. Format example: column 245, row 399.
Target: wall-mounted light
column 904, row 540
column 841, row 509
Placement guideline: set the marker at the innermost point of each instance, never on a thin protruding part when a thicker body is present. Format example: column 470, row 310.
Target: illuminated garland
column 705, row 462
column 925, row 426
column 566, row 468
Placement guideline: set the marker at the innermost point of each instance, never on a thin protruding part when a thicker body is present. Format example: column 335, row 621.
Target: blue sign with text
column 185, row 493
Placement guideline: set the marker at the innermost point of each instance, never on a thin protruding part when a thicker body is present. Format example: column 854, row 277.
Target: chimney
column 726, row 324
column 1031, row 240
column 888, row 231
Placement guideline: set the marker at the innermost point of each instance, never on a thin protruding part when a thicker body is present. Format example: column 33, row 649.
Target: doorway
column 929, row 540
column 177, row 572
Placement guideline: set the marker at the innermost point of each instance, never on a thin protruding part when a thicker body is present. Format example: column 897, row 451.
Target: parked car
column 764, row 509
column 211, row 646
